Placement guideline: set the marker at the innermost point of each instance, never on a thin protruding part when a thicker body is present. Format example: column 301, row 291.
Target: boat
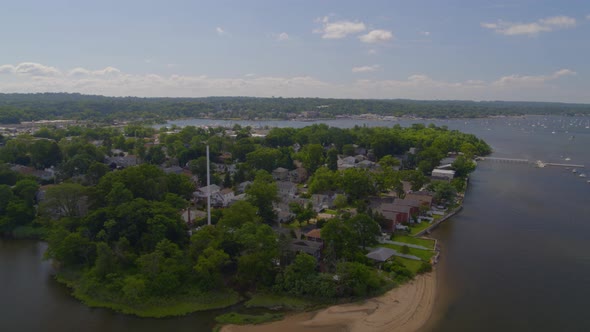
column 567, row 159
column 582, row 175
column 553, row 132
column 574, row 170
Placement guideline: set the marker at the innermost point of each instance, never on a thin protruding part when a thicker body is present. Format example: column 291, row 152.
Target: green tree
column 257, row 264
column 264, row 158
column 323, row 180
column 262, row 193
column 357, row 183
column 209, row 268
column 238, row 214
column 312, row 156
column 65, row 200
column 332, row 159
column 365, row 229
column 339, row 242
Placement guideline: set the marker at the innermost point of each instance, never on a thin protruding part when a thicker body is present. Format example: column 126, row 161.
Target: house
column 225, row 157
column 367, row 164
column 381, row 254
column 280, row 174
column 222, row 198
column 287, row 189
column 241, row 188
column 424, row 197
column 298, row 175
column 360, row 150
column 202, row 192
column 346, row 162
column 237, row 198
column 443, row 174
column 312, row 248
column 284, row 216
column 121, row 161
column 314, row 235
column 47, row 174
column 321, row 202
column 173, row 170
column 400, row 211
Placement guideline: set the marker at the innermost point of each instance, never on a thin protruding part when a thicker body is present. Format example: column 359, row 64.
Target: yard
column 424, row 255
column 428, row 243
column 417, row 228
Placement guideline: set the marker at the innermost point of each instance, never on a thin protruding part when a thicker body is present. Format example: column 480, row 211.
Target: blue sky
column 482, row 50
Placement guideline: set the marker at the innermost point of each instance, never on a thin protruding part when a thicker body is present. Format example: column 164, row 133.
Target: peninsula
column 299, row 218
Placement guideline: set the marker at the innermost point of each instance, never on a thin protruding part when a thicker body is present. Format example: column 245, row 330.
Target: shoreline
column 406, row 308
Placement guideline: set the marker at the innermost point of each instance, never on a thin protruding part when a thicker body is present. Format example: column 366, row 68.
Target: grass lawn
column 411, row 265
column 425, row 255
column 272, row 301
column 413, row 240
column 417, row 228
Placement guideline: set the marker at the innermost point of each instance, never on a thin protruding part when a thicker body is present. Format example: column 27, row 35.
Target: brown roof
column 315, row 233
column 407, row 202
column 422, row 197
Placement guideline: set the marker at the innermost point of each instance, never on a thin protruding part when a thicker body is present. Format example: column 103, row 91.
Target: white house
column 443, row 173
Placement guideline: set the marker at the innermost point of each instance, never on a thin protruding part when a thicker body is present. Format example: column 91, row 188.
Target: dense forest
column 15, row 108
column 117, row 235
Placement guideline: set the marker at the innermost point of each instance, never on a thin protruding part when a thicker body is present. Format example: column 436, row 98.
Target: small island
column 299, row 219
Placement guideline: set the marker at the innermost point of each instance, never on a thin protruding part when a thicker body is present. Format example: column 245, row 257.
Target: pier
column 505, row 160
column 564, row 165
column 538, row 163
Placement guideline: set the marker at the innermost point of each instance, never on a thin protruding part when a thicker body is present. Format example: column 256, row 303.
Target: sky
column 530, row 50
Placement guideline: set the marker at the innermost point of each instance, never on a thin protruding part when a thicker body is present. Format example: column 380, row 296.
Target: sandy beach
column 403, row 309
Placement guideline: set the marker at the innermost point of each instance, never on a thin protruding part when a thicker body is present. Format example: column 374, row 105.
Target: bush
column 425, row 267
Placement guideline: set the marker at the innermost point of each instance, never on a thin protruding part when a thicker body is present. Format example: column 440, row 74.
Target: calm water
column 515, row 259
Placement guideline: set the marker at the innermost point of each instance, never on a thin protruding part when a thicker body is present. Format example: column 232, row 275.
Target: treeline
column 15, row 108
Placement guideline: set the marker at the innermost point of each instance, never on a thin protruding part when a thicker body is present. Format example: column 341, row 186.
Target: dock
column 564, row 165
column 538, row 163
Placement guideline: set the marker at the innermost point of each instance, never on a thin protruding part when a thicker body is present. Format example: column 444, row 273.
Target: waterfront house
column 424, row 197
column 443, row 173
column 381, row 254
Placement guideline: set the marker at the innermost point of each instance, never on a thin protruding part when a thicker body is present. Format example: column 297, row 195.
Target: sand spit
column 403, row 309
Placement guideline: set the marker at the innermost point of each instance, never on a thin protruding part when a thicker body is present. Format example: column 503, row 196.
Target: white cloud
column 372, row 51
column 532, row 80
column 220, row 31
column 283, row 36
column 113, row 82
column 425, row 33
column 532, row 28
column 106, row 72
column 365, row 69
column 588, row 17
column 33, row 69
column 376, row 36
column 6, row 69
column 338, row 29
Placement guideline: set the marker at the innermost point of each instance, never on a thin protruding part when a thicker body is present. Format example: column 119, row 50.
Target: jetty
column 537, row 163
